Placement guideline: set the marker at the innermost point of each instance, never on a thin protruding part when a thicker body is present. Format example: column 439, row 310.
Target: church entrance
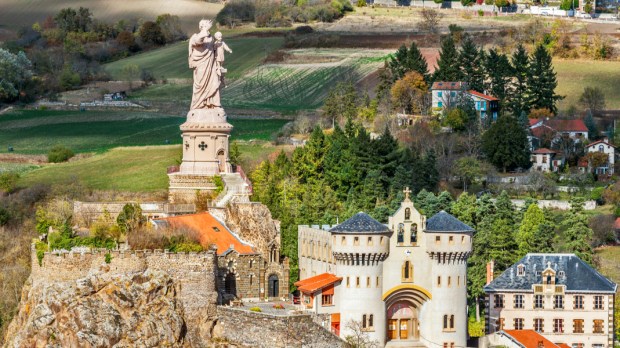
column 402, row 321
column 230, row 284
column 274, row 286
column 221, row 159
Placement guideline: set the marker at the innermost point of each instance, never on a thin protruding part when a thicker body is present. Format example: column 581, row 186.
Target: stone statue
column 207, row 74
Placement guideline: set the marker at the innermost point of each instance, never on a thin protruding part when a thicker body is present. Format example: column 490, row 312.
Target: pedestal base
column 185, row 188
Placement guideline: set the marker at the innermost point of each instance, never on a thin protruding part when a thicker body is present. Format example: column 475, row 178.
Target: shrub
column 480, row 13
column 236, row 12
column 361, row 3
column 59, row 154
column 108, row 258
column 256, row 309
column 303, row 29
column 278, row 306
column 8, row 181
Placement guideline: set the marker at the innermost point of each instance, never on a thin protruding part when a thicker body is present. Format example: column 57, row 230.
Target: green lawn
column 609, row 258
column 171, row 61
column 132, row 169
column 574, row 75
column 35, row 131
column 123, row 169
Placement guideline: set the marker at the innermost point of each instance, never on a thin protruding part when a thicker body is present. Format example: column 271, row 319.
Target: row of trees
column 68, row 49
column 522, row 82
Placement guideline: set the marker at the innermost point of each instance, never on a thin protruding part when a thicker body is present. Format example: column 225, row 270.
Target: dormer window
column 561, row 274
column 520, row 270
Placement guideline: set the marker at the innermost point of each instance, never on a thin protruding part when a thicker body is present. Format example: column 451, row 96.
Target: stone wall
column 252, row 329
column 193, row 273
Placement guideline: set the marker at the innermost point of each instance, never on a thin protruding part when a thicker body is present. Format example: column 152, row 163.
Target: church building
column 403, row 284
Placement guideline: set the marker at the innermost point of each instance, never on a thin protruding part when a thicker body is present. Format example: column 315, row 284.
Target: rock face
column 254, row 224
column 142, row 309
column 117, row 299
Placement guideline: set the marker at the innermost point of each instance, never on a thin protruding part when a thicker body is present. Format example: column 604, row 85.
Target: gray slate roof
column 444, row 222
column 578, row 276
column 360, row 223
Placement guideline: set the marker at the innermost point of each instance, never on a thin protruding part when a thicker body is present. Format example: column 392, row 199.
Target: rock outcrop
column 117, row 299
column 254, row 224
column 142, row 309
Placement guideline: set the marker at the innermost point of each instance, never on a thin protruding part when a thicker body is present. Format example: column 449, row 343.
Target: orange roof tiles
column 448, row 85
column 313, row 284
column 210, row 231
column 543, row 150
column 530, row 339
column 563, row 345
column 482, row 95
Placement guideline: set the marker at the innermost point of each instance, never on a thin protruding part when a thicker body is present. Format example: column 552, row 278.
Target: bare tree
column 430, row 20
column 358, row 335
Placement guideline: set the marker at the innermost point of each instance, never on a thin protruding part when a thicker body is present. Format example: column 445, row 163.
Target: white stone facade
column 410, row 280
column 609, row 150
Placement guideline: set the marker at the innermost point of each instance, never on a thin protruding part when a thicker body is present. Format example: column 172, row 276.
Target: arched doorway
column 402, row 304
column 230, row 284
column 221, row 159
column 273, row 286
column 402, row 318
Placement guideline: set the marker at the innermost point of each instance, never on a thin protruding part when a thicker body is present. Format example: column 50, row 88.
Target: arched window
column 407, row 272
column 364, row 323
column 445, row 322
column 401, row 234
column 452, row 321
column 370, row 320
column 601, row 148
column 407, row 214
column 414, row 233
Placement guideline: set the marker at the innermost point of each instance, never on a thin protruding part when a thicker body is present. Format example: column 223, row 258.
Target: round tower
column 448, row 245
column 360, row 245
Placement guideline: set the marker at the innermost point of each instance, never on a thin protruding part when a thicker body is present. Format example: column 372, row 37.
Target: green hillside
column 574, row 75
column 35, row 132
column 171, row 61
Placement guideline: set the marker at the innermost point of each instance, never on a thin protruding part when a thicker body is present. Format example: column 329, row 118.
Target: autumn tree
column 409, row 93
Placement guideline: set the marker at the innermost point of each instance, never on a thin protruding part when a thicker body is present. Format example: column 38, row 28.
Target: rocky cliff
column 136, row 300
column 254, row 224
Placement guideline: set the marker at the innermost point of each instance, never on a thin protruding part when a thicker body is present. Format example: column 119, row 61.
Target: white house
column 446, row 93
column 545, row 160
column 557, row 295
column 404, row 283
column 605, row 147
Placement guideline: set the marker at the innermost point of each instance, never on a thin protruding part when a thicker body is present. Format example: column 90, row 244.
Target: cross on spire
column 407, row 191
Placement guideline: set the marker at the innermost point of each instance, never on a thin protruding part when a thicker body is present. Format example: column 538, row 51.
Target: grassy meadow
column 128, row 169
column 170, row 62
column 574, row 75
column 15, row 14
column 36, row 131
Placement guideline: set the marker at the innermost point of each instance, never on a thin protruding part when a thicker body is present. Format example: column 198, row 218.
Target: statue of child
column 220, row 46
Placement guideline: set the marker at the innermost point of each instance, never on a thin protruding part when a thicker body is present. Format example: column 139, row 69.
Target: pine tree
column 541, row 82
column 520, row 70
column 471, row 65
column 577, row 234
column 531, row 224
column 428, row 175
column 406, row 60
column 464, row 209
column 505, row 144
column 499, row 71
column 448, row 68
column 592, row 128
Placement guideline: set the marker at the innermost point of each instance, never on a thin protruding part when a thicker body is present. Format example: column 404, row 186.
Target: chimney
column 490, row 272
column 541, row 344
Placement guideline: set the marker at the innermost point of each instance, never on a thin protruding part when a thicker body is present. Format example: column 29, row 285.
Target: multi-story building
column 557, row 295
column 603, row 146
column 545, row 160
column 447, row 94
column 404, row 282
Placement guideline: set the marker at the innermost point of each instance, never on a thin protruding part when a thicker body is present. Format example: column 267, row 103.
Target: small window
column 378, row 282
column 414, row 234
column 578, row 302
column 498, row 301
column 437, row 239
column 558, row 325
column 382, row 241
column 440, row 104
column 462, row 239
column 439, row 281
column 357, row 282
column 577, row 325
column 367, row 282
column 598, row 326
column 440, row 94
column 371, row 320
column 521, row 270
column 326, row 300
column 369, row 241
column 558, row 302
column 451, row 240
column 401, row 234
column 518, row 301
column 539, row 301
column 449, row 281
column 407, row 214
column 539, row 325
column 518, row 323
column 343, row 241
column 598, row 302
column 348, row 282
column 356, row 240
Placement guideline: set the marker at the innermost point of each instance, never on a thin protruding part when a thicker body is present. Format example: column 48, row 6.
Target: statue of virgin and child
column 206, row 58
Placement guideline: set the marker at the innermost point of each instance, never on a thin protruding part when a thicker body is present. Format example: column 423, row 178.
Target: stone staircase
column 236, row 190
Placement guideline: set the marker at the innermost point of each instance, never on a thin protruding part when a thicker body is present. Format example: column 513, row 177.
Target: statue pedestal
column 205, row 154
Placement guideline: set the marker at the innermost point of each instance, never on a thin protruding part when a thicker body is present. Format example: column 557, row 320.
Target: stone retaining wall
column 251, row 329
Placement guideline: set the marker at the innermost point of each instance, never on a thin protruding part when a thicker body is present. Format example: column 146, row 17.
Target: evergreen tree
column 444, row 201
column 592, row 128
column 406, row 60
column 505, row 144
column 577, row 233
column 470, row 59
column 499, row 72
column 341, row 101
column 464, row 209
column 531, row 224
column 428, row 175
column 520, row 69
column 541, row 82
column 448, row 68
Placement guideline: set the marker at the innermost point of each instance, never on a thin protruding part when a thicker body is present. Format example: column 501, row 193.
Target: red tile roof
column 543, row 150
column 210, row 231
column 542, row 131
column 481, row 95
column 567, row 125
column 600, row 142
column 448, row 85
column 530, row 338
column 533, row 121
column 313, row 284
